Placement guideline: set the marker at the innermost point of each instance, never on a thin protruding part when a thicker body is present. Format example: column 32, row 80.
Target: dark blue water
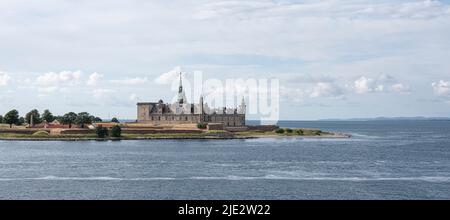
column 383, row 160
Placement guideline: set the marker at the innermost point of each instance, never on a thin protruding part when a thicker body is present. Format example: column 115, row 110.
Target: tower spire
column 181, row 95
column 180, row 88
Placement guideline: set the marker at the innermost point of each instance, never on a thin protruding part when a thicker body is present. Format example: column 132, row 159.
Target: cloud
column 400, row 88
column 345, row 39
column 441, row 88
column 130, row 81
column 326, row 89
column 335, row 9
column 69, row 78
column 341, row 87
column 383, row 83
column 364, row 85
column 94, row 78
column 4, row 79
column 133, row 97
column 169, row 77
column 291, row 94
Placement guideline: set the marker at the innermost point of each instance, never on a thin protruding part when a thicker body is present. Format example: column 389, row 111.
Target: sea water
column 382, row 160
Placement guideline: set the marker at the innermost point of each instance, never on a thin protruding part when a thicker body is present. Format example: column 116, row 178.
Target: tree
column 115, row 120
column 280, row 131
column 83, row 118
column 58, row 118
column 1, row 119
column 116, row 131
column 201, row 126
column 21, row 121
column 12, row 117
column 101, row 131
column 95, row 119
column 36, row 117
column 69, row 118
column 48, row 116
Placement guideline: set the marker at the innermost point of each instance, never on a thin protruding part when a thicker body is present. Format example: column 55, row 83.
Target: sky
column 333, row 58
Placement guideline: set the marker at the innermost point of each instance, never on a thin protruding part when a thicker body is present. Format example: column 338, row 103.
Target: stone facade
column 181, row 112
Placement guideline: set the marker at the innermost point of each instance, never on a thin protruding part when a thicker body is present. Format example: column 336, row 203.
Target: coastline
column 177, row 137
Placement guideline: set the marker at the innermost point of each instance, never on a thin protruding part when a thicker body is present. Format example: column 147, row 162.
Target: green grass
column 209, row 134
column 40, row 134
column 287, row 132
column 94, row 136
column 254, row 133
column 216, row 132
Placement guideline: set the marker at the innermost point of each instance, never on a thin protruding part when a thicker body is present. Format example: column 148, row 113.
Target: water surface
column 383, row 160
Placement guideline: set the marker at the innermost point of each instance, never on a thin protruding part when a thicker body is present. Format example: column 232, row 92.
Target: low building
column 181, row 112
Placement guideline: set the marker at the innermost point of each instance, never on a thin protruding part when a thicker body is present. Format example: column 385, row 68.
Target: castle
column 181, row 112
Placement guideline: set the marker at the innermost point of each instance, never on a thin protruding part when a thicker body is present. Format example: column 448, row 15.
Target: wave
column 237, row 178
column 99, row 178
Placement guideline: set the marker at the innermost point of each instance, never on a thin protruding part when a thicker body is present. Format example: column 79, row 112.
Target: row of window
column 173, row 118
column 229, row 121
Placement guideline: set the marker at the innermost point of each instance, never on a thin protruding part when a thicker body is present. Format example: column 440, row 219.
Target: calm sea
column 383, row 160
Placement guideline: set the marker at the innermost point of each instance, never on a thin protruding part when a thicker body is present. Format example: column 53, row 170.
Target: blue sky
column 334, row 59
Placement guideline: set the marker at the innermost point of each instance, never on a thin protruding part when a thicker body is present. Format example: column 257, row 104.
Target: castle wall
column 228, row 120
column 170, row 119
column 143, row 112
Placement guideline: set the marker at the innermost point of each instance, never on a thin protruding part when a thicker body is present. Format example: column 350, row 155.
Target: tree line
column 71, row 118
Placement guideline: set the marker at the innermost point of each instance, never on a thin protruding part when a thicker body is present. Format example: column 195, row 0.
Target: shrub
column 280, row 131
column 299, row 132
column 115, row 120
column 40, row 134
column 116, row 131
column 201, row 126
column 317, row 132
column 101, row 132
column 288, row 130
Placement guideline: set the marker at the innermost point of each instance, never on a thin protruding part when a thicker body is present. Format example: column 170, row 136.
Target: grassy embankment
column 286, row 132
column 215, row 134
column 46, row 136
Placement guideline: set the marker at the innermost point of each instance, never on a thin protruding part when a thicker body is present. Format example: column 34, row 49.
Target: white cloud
column 365, row 85
column 336, row 9
column 130, row 81
column 94, row 78
column 4, row 79
column 169, row 77
column 69, row 78
column 441, row 88
column 344, row 39
column 326, row 89
column 291, row 94
column 400, row 88
column 133, row 97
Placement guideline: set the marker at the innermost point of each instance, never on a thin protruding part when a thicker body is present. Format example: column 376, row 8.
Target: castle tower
column 200, row 103
column 31, row 121
column 242, row 107
column 181, row 95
